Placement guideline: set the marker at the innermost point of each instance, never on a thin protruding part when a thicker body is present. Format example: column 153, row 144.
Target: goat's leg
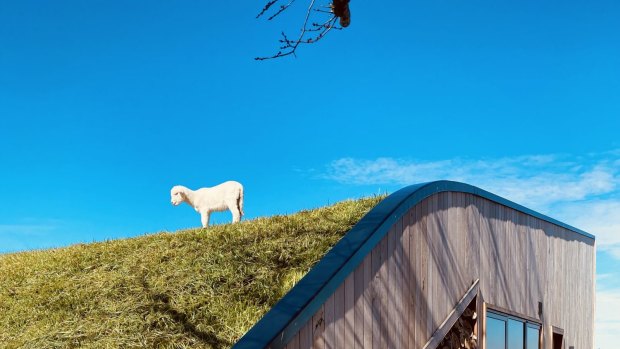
column 204, row 218
column 236, row 212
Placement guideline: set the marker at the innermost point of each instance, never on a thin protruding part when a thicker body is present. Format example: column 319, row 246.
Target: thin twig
column 282, row 8
column 267, row 6
column 323, row 11
column 291, row 45
column 319, row 27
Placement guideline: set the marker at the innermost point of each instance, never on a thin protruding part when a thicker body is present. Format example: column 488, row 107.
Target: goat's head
column 177, row 194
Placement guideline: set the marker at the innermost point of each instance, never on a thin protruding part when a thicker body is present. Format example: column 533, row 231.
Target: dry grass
column 189, row 289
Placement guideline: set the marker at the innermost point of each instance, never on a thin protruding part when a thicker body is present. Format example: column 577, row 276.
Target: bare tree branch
column 310, row 32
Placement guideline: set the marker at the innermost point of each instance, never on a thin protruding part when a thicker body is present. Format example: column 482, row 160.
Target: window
column 533, row 336
column 496, row 333
column 515, row 334
column 510, row 332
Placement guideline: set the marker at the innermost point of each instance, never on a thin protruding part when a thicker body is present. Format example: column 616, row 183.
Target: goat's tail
column 240, row 201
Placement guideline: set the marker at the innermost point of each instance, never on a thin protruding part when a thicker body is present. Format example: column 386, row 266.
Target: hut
column 442, row 265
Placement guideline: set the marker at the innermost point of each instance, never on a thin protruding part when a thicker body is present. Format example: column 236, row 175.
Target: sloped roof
column 305, row 298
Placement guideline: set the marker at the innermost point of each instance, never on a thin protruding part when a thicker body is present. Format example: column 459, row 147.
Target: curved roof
column 303, row 300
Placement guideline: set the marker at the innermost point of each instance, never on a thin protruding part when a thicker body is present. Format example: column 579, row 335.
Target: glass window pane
column 515, row 334
column 532, row 337
column 496, row 333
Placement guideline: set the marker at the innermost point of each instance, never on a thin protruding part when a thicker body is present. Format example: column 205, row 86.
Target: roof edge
column 291, row 312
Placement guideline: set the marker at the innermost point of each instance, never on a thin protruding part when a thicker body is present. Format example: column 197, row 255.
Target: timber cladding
column 411, row 280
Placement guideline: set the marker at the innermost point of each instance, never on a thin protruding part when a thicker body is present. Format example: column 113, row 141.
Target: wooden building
column 442, row 265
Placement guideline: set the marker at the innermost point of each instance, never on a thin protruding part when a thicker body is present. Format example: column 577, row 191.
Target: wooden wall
column 404, row 289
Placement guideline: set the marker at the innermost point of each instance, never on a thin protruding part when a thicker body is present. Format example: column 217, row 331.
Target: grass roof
column 189, row 289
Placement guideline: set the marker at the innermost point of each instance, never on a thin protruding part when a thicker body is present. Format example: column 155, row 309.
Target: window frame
column 503, row 315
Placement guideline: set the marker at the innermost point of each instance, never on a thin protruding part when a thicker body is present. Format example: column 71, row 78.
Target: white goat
column 222, row 197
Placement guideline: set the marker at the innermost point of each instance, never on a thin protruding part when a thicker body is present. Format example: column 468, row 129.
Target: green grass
column 188, row 289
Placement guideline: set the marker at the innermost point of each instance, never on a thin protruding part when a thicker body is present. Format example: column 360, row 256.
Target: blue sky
column 105, row 105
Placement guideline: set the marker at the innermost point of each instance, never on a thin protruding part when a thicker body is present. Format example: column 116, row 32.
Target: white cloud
column 582, row 191
column 599, row 217
column 607, row 322
column 537, row 181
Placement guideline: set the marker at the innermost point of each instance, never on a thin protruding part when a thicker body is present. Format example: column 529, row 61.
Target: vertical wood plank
column 498, row 239
column 339, row 317
column 520, row 260
column 368, row 300
column 294, row 343
column 542, row 248
column 513, row 273
column 420, row 245
column 473, row 232
column 553, row 279
column 487, row 252
column 329, row 334
column 376, row 298
column 398, row 283
column 383, row 289
column 457, row 276
column 318, row 329
column 433, row 271
column 394, row 287
column 408, row 266
column 379, row 300
column 360, row 286
column 458, row 228
column 389, row 317
column 349, row 309
column 305, row 336
column 531, row 264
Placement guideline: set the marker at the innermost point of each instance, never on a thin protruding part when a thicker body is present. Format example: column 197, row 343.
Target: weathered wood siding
column 402, row 291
